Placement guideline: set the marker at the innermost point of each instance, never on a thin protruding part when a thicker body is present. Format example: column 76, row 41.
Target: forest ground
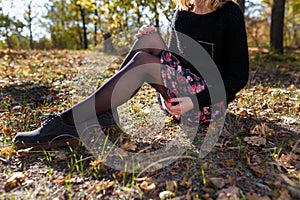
column 257, row 156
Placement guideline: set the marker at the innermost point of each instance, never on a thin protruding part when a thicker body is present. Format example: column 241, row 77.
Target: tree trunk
column 95, row 26
column 6, row 34
column 96, row 15
column 242, row 5
column 277, row 22
column 85, row 40
column 139, row 16
column 108, row 45
column 156, row 15
column 30, row 18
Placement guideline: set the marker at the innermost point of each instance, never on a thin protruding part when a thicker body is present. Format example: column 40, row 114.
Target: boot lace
column 49, row 118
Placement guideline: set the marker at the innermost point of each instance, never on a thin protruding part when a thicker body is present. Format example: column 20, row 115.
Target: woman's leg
column 152, row 44
column 143, row 67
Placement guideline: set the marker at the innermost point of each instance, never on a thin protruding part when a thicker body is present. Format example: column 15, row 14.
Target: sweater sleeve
column 236, row 59
column 237, row 65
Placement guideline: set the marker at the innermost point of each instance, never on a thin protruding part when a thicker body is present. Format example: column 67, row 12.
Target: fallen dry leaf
column 97, row 162
column 218, row 182
column 141, row 179
column 262, row 130
column 166, row 194
column 145, row 186
column 74, row 180
column 129, row 146
column 98, row 187
column 61, row 180
column 16, row 179
column 186, row 182
column 60, row 156
column 247, row 112
column 231, row 193
column 7, row 151
column 259, row 171
column 256, row 140
column 284, row 195
column 104, row 185
column 120, row 175
column 253, row 196
column 228, row 163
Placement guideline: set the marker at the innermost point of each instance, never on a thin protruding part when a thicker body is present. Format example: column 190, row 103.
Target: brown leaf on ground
column 262, row 130
column 97, row 162
column 60, row 180
column 141, row 179
column 74, row 180
column 98, row 187
column 256, row 140
column 230, row 193
column 218, row 182
column 7, row 151
column 146, row 186
column 247, row 112
column 228, row 163
column 60, row 156
column 259, row 171
column 253, row 196
column 129, row 146
column 284, row 195
column 16, row 179
column 186, row 182
column 166, row 195
column 120, row 175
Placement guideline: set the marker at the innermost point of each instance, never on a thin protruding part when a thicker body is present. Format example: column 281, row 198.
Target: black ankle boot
column 55, row 133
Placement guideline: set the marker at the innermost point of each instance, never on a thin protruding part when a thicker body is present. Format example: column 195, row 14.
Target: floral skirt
column 180, row 82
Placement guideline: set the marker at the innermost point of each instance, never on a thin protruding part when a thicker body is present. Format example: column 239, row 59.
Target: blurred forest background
column 84, row 24
column 51, row 56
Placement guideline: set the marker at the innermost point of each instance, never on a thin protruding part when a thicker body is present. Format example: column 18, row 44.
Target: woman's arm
column 237, row 58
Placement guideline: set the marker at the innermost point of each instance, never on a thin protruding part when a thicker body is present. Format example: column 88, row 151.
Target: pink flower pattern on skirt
column 180, row 82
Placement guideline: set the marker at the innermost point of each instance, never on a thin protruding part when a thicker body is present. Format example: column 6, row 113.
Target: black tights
column 142, row 64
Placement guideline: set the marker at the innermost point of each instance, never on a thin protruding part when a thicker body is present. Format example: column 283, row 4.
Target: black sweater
column 222, row 34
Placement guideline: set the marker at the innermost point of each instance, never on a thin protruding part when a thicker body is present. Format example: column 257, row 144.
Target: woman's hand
column 145, row 30
column 179, row 106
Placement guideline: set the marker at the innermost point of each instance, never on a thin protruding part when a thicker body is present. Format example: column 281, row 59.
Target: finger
column 170, row 108
column 145, row 32
column 153, row 28
column 174, row 109
column 175, row 100
column 168, row 105
column 138, row 35
column 150, row 29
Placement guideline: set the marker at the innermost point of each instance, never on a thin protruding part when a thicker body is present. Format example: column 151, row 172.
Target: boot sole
column 71, row 142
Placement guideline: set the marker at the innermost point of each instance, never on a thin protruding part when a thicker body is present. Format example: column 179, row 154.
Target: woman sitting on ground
column 217, row 25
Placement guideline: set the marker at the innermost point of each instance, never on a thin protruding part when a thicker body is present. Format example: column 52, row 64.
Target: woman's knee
column 151, row 43
column 142, row 57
